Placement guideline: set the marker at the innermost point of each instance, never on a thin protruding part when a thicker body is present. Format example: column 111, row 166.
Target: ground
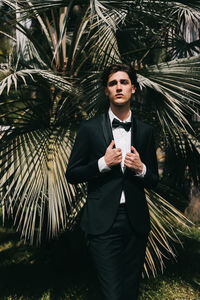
column 62, row 270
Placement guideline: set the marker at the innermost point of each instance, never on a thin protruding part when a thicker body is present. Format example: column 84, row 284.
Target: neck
column 121, row 112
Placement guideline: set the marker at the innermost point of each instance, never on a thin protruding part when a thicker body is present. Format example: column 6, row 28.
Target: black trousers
column 118, row 256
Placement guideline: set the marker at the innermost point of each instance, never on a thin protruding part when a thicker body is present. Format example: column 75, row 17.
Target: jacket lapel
column 108, row 135
column 134, row 132
column 134, row 137
column 107, row 130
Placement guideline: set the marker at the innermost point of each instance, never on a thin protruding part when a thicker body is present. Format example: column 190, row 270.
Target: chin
column 121, row 103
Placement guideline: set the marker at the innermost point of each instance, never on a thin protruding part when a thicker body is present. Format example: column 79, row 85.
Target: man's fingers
column 111, row 144
column 129, row 161
column 118, row 150
column 118, row 154
column 134, row 150
column 129, row 154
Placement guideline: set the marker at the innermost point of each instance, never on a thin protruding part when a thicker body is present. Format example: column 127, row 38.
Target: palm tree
column 52, row 82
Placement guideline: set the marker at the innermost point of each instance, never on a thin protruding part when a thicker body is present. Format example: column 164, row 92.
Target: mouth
column 119, row 95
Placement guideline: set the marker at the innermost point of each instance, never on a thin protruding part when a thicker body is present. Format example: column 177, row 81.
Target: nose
column 119, row 88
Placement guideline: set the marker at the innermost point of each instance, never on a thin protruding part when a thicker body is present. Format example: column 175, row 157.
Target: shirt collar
column 112, row 116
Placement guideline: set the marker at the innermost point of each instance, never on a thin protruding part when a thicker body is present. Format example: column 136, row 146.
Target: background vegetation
column 51, row 60
column 62, row 270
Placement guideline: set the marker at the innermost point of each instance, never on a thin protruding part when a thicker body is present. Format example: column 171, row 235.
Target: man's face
column 119, row 89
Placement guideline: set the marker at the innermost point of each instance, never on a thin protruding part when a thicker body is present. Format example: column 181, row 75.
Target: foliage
column 51, row 83
column 59, row 270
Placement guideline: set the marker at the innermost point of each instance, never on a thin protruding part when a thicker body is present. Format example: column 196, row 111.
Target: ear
column 133, row 89
column 106, row 91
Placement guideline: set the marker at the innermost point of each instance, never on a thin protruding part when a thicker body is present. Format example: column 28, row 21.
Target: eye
column 112, row 83
column 124, row 81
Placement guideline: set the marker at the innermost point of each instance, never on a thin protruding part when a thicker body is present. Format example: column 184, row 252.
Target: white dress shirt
column 122, row 140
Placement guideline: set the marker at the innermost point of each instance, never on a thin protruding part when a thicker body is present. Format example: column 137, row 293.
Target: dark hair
column 116, row 68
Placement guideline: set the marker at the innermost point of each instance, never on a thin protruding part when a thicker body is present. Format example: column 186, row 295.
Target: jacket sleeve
column 80, row 167
column 151, row 178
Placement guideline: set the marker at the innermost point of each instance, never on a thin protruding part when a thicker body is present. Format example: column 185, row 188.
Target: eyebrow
column 122, row 81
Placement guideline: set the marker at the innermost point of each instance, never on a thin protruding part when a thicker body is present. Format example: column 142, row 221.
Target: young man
column 115, row 154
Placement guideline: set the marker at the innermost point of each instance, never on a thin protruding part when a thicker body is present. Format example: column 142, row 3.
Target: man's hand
column 133, row 161
column 112, row 156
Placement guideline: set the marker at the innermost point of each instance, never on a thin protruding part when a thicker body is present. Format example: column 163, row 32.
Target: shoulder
column 94, row 120
column 143, row 125
column 91, row 123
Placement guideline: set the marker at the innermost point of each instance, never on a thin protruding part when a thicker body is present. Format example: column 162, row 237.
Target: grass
column 61, row 270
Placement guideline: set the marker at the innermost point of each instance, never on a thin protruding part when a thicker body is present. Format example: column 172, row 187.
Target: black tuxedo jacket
column 104, row 189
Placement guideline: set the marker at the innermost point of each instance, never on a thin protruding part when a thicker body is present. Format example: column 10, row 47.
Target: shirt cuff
column 102, row 165
column 144, row 170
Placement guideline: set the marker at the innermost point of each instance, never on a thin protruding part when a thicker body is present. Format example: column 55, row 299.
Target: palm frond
column 13, row 77
column 166, row 222
column 189, row 11
column 27, row 7
column 184, row 152
column 61, row 60
column 178, row 81
column 34, row 165
column 183, row 40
